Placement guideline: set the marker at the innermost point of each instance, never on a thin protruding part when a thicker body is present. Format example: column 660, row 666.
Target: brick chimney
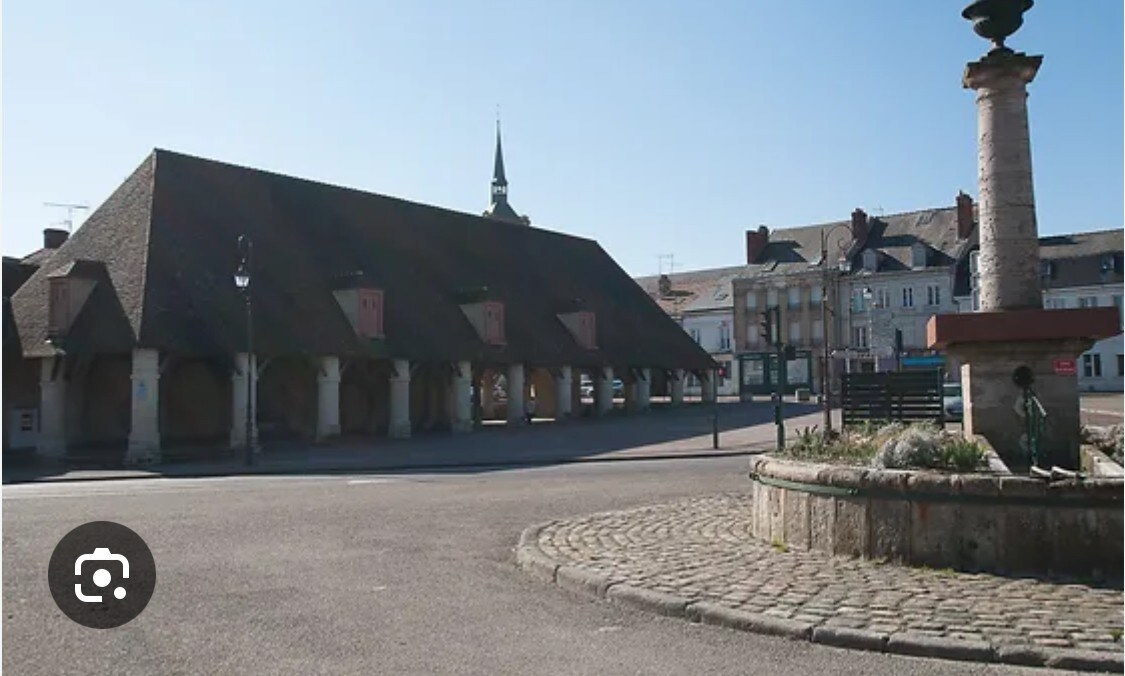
column 53, row 238
column 756, row 241
column 860, row 227
column 964, row 215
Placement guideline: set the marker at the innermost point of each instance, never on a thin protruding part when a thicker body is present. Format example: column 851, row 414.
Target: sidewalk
column 657, row 434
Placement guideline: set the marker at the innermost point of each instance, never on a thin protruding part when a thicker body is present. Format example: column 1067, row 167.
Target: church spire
column 499, row 207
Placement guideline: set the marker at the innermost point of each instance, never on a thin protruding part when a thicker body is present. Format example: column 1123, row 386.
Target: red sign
column 1065, row 367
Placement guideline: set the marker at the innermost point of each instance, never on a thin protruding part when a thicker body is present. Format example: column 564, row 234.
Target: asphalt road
column 394, row 574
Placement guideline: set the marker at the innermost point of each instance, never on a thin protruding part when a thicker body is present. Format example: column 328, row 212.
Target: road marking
column 1116, row 414
column 356, row 482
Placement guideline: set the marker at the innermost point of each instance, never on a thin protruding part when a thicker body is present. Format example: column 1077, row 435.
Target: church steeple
column 499, row 207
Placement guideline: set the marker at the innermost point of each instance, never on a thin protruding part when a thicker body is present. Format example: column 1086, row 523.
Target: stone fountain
column 1013, row 351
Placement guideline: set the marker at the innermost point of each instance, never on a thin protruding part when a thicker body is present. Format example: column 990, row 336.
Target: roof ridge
column 367, row 193
column 881, row 217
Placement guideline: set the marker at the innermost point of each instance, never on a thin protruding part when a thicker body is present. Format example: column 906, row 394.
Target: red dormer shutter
column 494, row 323
column 588, row 330
column 370, row 322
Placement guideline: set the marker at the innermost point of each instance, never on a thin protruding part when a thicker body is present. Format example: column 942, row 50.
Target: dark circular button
column 101, row 574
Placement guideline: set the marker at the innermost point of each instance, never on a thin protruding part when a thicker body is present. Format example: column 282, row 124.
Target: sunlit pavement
column 408, row 573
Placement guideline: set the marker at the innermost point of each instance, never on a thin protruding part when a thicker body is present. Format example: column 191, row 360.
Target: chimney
column 859, row 227
column 665, row 285
column 756, row 241
column 53, row 238
column 964, row 215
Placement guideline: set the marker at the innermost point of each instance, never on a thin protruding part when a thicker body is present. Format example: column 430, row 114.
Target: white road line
column 356, row 482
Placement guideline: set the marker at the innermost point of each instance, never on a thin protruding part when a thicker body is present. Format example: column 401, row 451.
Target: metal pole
column 250, row 366
column 715, row 410
column 825, row 379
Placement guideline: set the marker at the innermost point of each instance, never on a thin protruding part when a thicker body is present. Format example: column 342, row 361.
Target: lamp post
column 869, row 303
column 242, row 281
column 825, row 371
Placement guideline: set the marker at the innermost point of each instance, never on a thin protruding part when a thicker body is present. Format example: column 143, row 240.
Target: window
column 752, row 335
column 1092, row 365
column 771, row 298
column 976, row 300
column 816, row 295
column 859, row 336
column 870, row 261
column 724, row 336
column 859, row 302
column 751, row 299
column 1055, row 303
column 794, row 296
column 694, row 334
column 1117, row 304
column 1088, row 301
column 882, row 298
column 59, row 309
column 818, row 330
column 907, row 296
column 919, row 256
column 1120, row 365
column 794, row 332
column 933, row 294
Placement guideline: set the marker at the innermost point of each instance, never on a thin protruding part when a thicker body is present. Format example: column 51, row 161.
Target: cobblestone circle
column 700, row 549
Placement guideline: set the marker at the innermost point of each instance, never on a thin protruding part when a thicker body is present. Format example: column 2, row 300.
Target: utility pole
column 771, row 332
column 69, row 211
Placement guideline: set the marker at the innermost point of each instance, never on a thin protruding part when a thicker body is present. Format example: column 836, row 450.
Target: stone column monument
column 1012, row 342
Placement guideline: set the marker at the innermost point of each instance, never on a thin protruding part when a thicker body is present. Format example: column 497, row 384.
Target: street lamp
column 825, row 372
column 242, row 281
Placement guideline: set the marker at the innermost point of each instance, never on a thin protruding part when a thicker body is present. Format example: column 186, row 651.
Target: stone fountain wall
column 971, row 522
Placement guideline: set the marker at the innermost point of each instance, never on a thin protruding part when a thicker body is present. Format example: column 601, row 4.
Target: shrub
column 926, row 446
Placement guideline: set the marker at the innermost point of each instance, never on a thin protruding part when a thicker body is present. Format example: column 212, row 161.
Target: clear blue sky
column 654, row 127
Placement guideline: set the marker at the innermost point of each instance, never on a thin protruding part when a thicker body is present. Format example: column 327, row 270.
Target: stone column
column 563, row 396
column 461, row 398
column 603, row 391
column 246, row 366
column 707, row 387
column 328, row 399
column 644, row 389
column 144, row 428
column 1009, row 236
column 515, row 395
column 678, row 376
column 399, row 427
column 52, row 410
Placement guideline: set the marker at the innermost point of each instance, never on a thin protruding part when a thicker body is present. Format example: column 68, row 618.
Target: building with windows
column 879, row 279
column 371, row 316
column 1076, row 271
column 703, row 303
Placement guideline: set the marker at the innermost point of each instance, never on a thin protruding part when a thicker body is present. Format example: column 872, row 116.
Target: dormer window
column 870, row 261
column 362, row 304
column 487, row 318
column 369, row 322
column 919, row 254
column 494, row 323
column 59, row 306
column 583, row 326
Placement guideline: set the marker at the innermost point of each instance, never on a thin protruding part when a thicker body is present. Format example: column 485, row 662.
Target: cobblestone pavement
column 700, row 549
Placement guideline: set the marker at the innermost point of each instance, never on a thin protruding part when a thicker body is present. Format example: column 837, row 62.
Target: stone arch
column 195, row 408
column 102, row 406
column 364, row 398
column 287, row 405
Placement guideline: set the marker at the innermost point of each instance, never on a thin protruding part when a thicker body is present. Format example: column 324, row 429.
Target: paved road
column 397, row 574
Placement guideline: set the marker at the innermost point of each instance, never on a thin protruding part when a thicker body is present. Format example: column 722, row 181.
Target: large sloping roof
column 167, row 242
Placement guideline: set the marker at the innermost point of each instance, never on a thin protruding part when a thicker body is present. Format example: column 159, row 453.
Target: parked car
column 618, row 388
column 951, row 401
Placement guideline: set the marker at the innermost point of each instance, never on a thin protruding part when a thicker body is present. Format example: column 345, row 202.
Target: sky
column 653, row 127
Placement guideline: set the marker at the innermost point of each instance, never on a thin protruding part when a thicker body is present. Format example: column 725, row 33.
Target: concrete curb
column 531, row 558
column 343, row 468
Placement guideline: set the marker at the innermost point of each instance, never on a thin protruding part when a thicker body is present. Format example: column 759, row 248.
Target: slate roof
column 695, row 291
column 1076, row 260
column 166, row 243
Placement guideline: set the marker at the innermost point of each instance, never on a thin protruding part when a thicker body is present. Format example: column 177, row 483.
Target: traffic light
column 767, row 326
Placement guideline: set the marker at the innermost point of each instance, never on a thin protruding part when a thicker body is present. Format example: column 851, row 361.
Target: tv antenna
column 671, row 258
column 69, row 221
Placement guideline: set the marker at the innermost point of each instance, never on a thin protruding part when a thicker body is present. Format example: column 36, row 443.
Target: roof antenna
column 69, row 211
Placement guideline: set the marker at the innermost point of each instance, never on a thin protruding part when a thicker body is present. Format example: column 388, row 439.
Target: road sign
column 1065, row 367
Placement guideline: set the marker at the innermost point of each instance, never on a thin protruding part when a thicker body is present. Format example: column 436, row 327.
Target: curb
column 531, row 558
column 235, row 471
